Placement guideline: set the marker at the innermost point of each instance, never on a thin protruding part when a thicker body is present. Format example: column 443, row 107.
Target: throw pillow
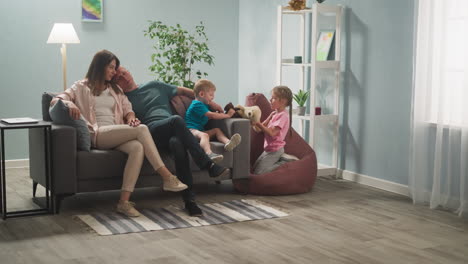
column 46, row 98
column 60, row 115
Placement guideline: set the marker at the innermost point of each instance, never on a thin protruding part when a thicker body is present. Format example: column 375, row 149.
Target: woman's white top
column 104, row 109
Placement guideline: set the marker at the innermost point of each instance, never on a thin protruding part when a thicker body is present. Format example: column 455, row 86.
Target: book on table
column 20, row 120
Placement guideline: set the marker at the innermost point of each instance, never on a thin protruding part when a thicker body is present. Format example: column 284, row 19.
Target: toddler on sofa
column 198, row 114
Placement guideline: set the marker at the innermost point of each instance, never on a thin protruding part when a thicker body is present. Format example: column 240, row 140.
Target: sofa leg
column 58, row 201
column 34, row 188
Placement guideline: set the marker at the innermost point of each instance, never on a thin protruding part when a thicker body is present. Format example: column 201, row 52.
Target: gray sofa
column 76, row 171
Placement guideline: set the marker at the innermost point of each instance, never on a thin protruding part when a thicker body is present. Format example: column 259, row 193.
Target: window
column 443, row 39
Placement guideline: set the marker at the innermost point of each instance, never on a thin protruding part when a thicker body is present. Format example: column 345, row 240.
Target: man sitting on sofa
column 152, row 104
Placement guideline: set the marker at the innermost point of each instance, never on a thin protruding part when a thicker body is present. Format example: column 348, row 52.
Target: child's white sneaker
column 216, row 158
column 234, row 142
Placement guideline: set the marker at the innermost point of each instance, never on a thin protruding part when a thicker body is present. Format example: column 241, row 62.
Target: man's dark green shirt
column 152, row 101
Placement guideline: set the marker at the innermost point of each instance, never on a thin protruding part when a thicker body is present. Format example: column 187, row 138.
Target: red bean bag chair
column 289, row 178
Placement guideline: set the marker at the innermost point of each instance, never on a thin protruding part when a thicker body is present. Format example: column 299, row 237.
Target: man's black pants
column 172, row 134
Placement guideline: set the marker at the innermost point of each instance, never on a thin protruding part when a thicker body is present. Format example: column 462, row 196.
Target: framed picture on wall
column 92, row 10
column 324, row 44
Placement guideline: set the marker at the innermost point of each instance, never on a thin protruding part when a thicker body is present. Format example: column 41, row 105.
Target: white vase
column 301, row 110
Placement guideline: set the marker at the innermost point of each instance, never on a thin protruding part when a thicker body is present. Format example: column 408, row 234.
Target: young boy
column 198, row 114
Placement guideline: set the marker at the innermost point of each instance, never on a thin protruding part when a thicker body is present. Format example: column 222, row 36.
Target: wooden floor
column 337, row 222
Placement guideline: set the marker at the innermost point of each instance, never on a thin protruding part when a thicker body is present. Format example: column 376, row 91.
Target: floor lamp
column 63, row 33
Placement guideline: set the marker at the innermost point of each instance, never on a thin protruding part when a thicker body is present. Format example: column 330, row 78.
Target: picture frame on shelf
column 92, row 10
column 324, row 45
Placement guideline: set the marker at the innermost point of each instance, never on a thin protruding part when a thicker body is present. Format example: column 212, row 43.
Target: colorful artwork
column 91, row 10
column 324, row 43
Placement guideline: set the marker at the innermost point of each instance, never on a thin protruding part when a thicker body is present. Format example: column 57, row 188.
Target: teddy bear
column 231, row 106
column 250, row 112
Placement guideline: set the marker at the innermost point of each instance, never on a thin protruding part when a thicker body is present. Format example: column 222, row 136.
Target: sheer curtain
column 439, row 131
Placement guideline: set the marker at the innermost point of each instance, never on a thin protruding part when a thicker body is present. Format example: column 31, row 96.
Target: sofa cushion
column 46, row 98
column 60, row 115
column 104, row 164
column 180, row 104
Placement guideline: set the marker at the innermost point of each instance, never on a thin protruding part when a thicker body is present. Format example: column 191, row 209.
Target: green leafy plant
column 301, row 97
column 176, row 51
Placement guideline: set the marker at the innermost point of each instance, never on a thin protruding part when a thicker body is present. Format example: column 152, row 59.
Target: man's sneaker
column 216, row 158
column 235, row 140
column 174, row 185
column 216, row 171
column 193, row 209
column 127, row 208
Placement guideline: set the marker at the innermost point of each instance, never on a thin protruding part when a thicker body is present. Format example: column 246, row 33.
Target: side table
column 49, row 204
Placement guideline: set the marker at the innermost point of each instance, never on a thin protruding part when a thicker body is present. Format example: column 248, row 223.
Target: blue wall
column 29, row 66
column 377, row 66
column 376, row 86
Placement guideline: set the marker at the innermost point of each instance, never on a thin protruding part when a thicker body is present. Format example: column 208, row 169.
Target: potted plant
column 177, row 51
column 301, row 98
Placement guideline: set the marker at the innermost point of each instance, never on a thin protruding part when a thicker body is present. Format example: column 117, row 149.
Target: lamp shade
column 63, row 33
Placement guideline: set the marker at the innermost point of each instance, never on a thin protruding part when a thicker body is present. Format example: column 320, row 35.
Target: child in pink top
column 275, row 127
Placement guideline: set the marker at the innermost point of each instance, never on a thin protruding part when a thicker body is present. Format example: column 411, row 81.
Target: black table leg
column 48, row 172
column 3, row 176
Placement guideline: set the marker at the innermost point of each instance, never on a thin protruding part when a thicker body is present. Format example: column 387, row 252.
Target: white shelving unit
column 313, row 29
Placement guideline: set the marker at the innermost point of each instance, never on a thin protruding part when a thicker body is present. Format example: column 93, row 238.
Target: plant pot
column 301, row 110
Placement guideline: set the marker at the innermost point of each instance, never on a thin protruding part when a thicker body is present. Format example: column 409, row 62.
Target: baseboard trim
column 374, row 182
column 18, row 163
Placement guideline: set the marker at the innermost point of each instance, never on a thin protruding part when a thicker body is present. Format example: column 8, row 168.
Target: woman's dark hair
column 97, row 68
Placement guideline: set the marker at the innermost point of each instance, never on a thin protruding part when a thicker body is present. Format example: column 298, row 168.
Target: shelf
column 297, row 64
column 287, row 11
column 324, row 10
column 312, row 73
column 328, row 10
column 320, row 64
column 332, row 64
column 325, row 118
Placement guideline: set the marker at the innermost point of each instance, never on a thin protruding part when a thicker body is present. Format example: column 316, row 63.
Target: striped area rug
column 112, row 223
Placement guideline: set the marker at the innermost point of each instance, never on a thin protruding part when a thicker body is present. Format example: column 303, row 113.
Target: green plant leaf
column 176, row 51
column 301, row 97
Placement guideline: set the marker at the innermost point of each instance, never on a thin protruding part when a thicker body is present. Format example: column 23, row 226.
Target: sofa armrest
column 241, row 154
column 62, row 154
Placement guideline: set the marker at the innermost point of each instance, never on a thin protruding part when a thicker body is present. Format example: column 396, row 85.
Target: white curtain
column 439, row 131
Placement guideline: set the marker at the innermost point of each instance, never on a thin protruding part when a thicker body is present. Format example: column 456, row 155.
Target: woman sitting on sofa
column 112, row 124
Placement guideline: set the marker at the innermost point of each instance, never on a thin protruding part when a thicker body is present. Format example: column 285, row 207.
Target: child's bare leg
column 229, row 144
column 213, row 156
column 204, row 140
column 218, row 133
